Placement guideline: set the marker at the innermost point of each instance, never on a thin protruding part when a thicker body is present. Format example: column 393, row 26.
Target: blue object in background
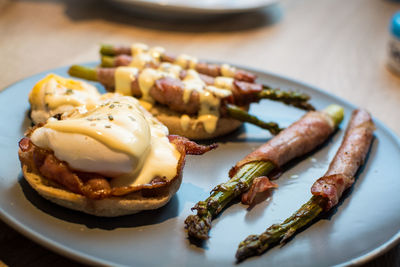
column 394, row 44
column 395, row 25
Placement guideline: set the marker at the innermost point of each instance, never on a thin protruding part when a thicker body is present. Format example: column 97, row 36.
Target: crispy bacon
column 24, row 144
column 348, row 159
column 298, row 139
column 259, row 185
column 190, row 147
column 96, row 186
column 58, row 171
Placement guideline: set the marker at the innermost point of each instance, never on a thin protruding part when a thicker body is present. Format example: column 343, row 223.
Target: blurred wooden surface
column 336, row 45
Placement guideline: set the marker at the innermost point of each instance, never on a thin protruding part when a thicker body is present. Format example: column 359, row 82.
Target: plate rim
column 178, row 8
column 77, row 255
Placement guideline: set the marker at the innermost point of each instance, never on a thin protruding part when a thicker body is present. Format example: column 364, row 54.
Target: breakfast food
column 140, row 55
column 187, row 102
column 54, row 95
column 326, row 191
column 192, row 98
column 112, row 160
column 298, row 139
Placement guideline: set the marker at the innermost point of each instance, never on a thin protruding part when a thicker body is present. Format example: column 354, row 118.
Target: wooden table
column 339, row 46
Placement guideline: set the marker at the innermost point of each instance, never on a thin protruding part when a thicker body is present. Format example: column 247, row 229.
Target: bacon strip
column 298, row 139
column 348, row 159
column 259, row 185
column 190, row 147
column 169, row 91
column 123, row 58
column 93, row 185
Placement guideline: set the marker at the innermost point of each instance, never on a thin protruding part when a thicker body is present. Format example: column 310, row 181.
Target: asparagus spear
column 292, row 98
column 107, row 50
column 233, row 111
column 199, row 225
column 257, row 244
column 241, row 115
column 107, row 62
column 83, row 72
column 326, row 191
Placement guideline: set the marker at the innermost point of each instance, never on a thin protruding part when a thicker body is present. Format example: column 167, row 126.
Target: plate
column 205, row 7
column 363, row 225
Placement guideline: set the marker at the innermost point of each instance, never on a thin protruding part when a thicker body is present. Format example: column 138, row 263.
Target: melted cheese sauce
column 124, row 76
column 54, row 94
column 138, row 48
column 209, row 111
column 186, row 61
column 171, row 69
column 210, row 96
column 227, row 70
column 224, row 82
column 185, row 122
column 142, row 55
column 149, row 76
column 192, row 82
column 118, row 139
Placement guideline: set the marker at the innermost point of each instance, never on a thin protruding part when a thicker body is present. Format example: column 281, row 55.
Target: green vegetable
column 257, row 244
column 291, row 98
column 199, row 225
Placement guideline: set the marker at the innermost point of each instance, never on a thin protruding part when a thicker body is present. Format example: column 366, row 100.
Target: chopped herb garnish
column 112, row 106
column 69, row 92
column 110, row 117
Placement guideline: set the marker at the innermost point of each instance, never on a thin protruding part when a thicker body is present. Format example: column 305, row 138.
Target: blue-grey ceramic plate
column 203, row 7
column 365, row 223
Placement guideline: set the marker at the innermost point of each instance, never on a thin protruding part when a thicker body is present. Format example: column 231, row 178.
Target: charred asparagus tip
column 291, row 98
column 107, row 50
column 243, row 116
column 83, row 72
column 199, row 225
column 257, row 244
column 107, row 61
column 247, row 248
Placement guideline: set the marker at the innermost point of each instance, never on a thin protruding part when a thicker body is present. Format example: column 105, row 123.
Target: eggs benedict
column 54, row 95
column 112, row 160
